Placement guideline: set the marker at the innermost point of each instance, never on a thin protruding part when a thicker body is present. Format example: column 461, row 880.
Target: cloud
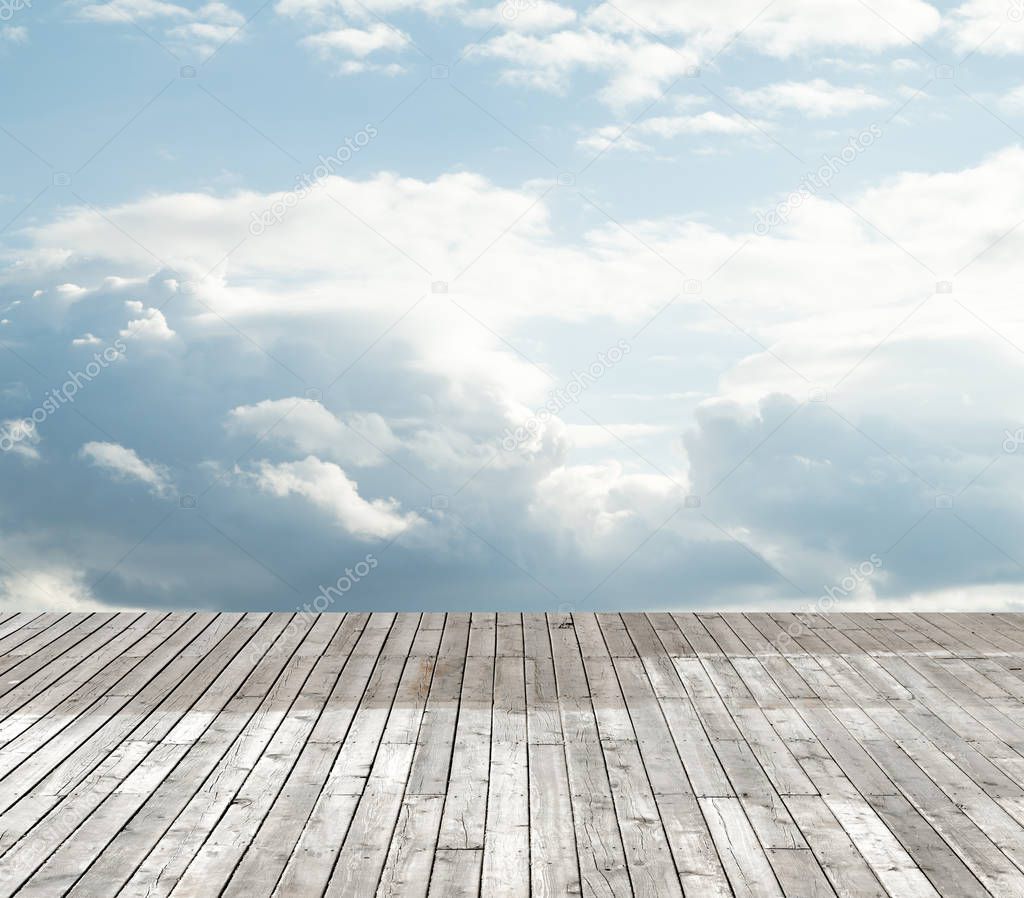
column 608, row 136
column 45, row 587
column 360, row 9
column 306, row 427
column 668, row 127
column 816, row 98
column 993, row 27
column 521, row 15
column 14, row 34
column 88, row 339
column 124, row 464
column 1013, row 100
column 358, row 42
column 151, row 326
column 637, row 68
column 132, row 10
column 643, row 46
column 844, row 391
column 781, row 30
column 202, row 30
column 20, row 436
column 703, row 123
column 326, row 486
column 587, row 506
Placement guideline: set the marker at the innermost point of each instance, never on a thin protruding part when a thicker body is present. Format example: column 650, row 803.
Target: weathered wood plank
column 512, row 754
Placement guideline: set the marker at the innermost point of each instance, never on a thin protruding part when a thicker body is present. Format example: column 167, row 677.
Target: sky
column 373, row 304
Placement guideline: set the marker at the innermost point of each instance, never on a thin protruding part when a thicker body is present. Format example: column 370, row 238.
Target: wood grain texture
column 512, row 755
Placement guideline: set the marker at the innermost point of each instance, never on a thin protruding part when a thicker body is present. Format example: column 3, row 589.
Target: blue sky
column 540, row 305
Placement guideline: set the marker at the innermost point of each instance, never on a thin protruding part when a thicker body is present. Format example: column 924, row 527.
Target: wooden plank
column 599, row 850
column 554, row 867
column 456, row 874
column 512, row 754
column 506, row 850
column 837, row 855
column 745, row 862
column 649, row 859
column 154, row 789
column 76, row 795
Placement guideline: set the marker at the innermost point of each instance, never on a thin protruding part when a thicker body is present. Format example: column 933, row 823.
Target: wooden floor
column 442, row 755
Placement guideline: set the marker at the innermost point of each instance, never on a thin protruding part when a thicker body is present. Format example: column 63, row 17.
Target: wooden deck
column 442, row 755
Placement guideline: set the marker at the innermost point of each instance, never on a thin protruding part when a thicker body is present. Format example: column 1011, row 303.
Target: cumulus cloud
column 847, row 390
column 588, row 505
column 151, row 325
column 358, row 42
column 124, row 464
column 643, row 46
column 637, row 68
column 198, row 27
column 21, row 437
column 780, row 30
column 45, row 587
column 326, row 486
column 994, row 27
column 304, row 425
column 816, row 98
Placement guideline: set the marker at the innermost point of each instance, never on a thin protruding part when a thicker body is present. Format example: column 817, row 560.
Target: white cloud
column 782, row 29
column 151, row 326
column 643, row 46
column 667, row 127
column 124, row 464
column 360, row 9
column 709, row 122
column 994, row 27
column 87, row 339
column 47, row 587
column 120, row 11
column 20, row 436
column 609, row 136
column 1013, row 100
column 587, row 506
column 816, row 98
column 14, row 34
column 204, row 35
column 358, row 42
column 310, row 429
column 201, row 30
column 820, row 293
column 638, row 68
column 71, row 291
column 521, row 15
column 326, row 486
